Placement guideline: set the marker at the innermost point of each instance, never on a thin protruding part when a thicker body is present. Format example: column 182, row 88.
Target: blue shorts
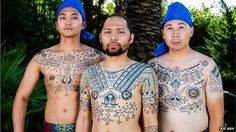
column 49, row 127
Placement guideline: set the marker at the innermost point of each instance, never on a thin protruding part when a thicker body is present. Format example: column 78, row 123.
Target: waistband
column 50, row 127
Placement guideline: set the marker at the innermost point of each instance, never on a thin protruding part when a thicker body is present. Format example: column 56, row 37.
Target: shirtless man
column 61, row 66
column 190, row 84
column 118, row 91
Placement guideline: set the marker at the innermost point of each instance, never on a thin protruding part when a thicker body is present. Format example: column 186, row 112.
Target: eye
column 169, row 28
column 181, row 27
column 62, row 17
column 107, row 32
column 121, row 32
column 75, row 18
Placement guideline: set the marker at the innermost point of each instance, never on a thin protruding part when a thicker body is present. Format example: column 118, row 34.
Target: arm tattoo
column 84, row 94
column 215, row 81
column 151, row 129
column 150, row 92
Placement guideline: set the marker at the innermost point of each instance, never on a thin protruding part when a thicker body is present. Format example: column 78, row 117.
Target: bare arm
column 83, row 119
column 215, row 100
column 24, row 91
column 150, row 102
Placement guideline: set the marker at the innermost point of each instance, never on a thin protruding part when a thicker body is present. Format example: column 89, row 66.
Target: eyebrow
column 71, row 14
column 114, row 29
column 181, row 23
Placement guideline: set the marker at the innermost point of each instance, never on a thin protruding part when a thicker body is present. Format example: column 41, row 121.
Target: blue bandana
column 74, row 4
column 85, row 35
column 175, row 11
column 161, row 49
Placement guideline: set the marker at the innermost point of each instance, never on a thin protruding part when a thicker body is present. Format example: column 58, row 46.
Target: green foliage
column 109, row 8
column 215, row 36
column 12, row 71
column 29, row 21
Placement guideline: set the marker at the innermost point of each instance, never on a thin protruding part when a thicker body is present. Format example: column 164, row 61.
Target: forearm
column 83, row 122
column 151, row 128
column 82, row 126
column 216, row 123
column 18, row 115
column 150, row 123
column 216, row 113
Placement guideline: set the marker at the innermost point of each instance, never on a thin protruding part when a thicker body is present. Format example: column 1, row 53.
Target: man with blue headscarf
column 61, row 66
column 190, row 85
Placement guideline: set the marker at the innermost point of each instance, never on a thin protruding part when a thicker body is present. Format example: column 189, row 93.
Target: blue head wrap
column 161, row 49
column 175, row 11
column 76, row 4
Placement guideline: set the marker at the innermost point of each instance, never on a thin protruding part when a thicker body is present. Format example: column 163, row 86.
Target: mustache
column 111, row 43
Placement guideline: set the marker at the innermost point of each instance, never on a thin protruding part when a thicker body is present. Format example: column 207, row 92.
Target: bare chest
column 182, row 88
column 62, row 71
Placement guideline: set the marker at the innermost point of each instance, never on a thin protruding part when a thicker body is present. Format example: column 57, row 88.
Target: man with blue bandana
column 61, row 65
column 190, row 85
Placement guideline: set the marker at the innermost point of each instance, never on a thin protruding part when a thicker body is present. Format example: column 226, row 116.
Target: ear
column 56, row 25
column 100, row 38
column 162, row 32
column 131, row 38
column 84, row 24
column 191, row 31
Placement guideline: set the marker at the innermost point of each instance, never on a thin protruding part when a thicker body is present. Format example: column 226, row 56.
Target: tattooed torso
column 62, row 72
column 182, row 92
column 117, row 98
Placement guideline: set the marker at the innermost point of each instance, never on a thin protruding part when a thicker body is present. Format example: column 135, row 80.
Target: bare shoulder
column 147, row 69
column 92, row 52
column 156, row 59
column 209, row 62
column 42, row 54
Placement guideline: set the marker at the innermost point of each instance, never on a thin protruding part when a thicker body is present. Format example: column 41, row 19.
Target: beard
column 115, row 53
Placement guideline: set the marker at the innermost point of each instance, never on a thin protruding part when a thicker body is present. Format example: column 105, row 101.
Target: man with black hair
column 61, row 66
column 118, row 91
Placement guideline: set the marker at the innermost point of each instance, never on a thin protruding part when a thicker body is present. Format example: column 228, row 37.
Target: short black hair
column 129, row 25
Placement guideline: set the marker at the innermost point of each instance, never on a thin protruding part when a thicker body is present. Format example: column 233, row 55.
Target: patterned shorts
column 49, row 127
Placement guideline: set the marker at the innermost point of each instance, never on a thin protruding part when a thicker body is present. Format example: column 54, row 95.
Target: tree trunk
column 145, row 16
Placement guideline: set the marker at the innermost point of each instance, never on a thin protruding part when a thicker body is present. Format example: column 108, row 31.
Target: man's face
column 69, row 22
column 177, row 34
column 115, row 36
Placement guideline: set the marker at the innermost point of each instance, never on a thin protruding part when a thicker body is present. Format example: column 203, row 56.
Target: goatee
column 115, row 53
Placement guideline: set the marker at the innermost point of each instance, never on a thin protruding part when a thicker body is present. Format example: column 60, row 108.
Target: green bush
column 12, row 71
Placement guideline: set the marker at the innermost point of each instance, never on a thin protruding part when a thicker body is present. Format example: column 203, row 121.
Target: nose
column 175, row 34
column 113, row 37
column 68, row 21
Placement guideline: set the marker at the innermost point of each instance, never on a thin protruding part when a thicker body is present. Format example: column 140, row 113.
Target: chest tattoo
column 181, row 89
column 62, row 71
column 112, row 93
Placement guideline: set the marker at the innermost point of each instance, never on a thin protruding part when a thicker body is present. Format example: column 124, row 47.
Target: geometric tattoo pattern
column 112, row 93
column 151, row 129
column 183, row 89
column 62, row 71
column 215, row 81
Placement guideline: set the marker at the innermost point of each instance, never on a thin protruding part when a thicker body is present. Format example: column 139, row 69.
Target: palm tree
column 145, row 16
